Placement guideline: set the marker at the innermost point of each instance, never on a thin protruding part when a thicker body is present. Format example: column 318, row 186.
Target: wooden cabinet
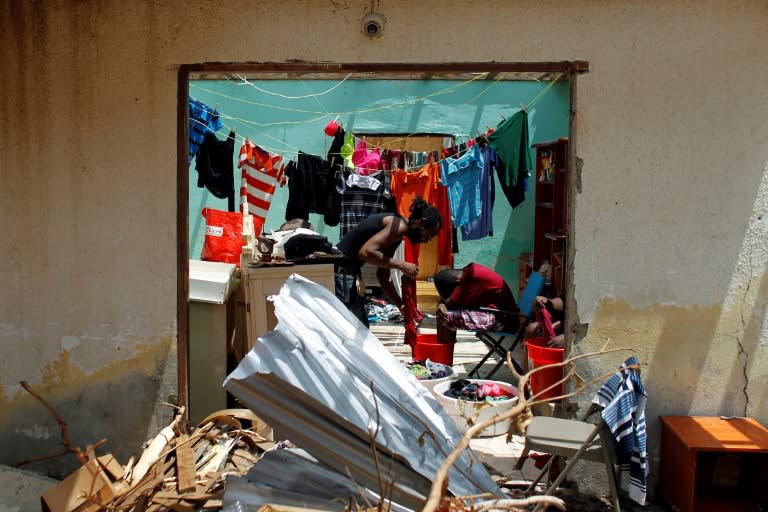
column 713, row 464
column 550, row 229
column 261, row 282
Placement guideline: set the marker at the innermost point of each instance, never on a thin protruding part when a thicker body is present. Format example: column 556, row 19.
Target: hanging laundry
column 214, row 167
column 310, row 181
column 406, row 186
column 369, row 182
column 510, row 141
column 202, row 119
column 462, row 177
column 336, row 162
column 365, row 162
column 483, row 225
column 347, row 149
column 358, row 202
column 261, row 173
column 425, row 182
column 391, row 159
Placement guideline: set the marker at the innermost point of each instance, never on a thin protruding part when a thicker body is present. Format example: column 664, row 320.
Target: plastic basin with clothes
column 432, row 368
column 539, row 354
column 466, row 413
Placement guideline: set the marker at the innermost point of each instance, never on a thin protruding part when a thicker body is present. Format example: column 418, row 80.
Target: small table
column 713, row 463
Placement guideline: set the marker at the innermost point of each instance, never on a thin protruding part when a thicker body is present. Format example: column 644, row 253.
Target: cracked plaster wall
column 669, row 229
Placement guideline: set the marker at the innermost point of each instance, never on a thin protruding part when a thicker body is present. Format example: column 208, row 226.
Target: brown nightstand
column 713, row 464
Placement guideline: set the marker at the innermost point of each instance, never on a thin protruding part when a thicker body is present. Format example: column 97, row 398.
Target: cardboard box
column 82, row 491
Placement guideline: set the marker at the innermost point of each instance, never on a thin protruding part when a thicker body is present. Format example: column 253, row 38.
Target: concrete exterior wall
column 669, row 225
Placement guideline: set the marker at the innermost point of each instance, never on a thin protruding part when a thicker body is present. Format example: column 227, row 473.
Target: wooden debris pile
column 181, row 469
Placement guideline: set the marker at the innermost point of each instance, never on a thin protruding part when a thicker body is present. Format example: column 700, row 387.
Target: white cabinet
column 261, row 282
column 210, row 287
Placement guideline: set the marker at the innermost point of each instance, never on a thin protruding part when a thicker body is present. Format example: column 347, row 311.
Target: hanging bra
column 365, row 161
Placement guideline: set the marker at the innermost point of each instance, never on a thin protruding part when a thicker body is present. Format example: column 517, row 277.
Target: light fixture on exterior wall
column 373, row 23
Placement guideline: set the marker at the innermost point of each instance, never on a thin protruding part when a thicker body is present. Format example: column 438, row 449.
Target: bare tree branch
column 80, row 454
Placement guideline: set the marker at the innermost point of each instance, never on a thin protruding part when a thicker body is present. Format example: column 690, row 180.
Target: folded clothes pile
column 377, row 312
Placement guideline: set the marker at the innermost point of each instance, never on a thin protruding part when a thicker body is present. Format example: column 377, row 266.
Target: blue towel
column 532, row 289
column 623, row 398
column 202, row 119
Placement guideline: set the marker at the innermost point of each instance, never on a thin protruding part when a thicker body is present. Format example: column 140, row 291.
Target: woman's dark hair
column 420, row 209
column 446, row 281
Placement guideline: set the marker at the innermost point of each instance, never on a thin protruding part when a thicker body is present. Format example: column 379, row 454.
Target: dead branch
column 515, row 504
column 41, row 458
column 70, row 448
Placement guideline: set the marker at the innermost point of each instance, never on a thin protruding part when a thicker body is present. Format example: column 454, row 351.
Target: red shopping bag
column 223, row 236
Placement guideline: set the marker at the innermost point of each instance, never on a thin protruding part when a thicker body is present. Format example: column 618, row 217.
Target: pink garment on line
column 366, row 162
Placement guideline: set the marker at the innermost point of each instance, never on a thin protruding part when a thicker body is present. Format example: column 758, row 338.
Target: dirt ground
column 576, row 501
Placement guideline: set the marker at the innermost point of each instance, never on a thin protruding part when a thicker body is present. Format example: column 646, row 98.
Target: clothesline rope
column 356, row 139
column 323, row 114
column 245, row 81
column 543, row 92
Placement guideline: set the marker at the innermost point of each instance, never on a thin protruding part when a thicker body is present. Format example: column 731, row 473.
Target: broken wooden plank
column 155, row 449
column 185, row 464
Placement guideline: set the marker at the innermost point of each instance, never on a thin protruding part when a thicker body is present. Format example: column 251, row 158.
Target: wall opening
column 424, row 89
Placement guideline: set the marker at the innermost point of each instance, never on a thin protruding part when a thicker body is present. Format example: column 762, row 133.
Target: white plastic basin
column 466, row 413
column 431, row 383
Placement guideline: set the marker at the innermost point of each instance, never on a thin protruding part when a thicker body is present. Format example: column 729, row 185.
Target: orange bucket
column 539, row 354
column 427, row 347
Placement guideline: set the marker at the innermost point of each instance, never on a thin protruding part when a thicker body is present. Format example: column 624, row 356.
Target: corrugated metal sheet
column 290, row 477
column 326, row 383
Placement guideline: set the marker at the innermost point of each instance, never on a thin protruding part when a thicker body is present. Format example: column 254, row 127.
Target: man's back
column 480, row 286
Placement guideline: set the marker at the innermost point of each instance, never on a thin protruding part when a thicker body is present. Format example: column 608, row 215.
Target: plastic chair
column 495, row 340
column 574, row 440
column 620, row 430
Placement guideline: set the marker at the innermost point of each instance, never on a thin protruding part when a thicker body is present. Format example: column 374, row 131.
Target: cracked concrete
column 20, row 490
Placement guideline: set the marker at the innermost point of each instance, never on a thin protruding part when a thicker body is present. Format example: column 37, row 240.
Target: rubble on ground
column 181, row 468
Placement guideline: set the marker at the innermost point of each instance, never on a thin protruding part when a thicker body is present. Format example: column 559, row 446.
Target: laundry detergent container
column 466, row 413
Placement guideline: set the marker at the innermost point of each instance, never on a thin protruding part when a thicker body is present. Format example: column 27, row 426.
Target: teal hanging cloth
column 510, row 142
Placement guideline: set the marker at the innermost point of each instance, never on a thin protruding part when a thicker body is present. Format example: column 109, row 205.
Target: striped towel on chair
column 623, row 399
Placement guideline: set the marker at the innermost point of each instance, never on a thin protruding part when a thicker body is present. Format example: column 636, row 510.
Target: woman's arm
column 380, row 248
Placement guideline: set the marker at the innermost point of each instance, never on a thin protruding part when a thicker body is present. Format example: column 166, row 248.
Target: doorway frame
column 320, row 70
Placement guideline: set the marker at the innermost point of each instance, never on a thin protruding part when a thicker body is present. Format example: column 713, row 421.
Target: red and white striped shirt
column 261, row 173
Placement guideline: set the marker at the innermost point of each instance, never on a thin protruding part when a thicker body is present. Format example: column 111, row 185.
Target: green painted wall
column 285, row 116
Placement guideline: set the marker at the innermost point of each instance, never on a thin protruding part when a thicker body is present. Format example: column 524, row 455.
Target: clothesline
column 325, row 114
column 320, row 115
column 241, row 139
column 244, row 81
column 358, row 139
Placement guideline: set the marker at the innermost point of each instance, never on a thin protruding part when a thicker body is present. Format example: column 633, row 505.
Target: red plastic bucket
column 539, row 354
column 427, row 347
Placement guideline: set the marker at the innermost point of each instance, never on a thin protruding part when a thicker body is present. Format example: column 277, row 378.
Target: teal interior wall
column 285, row 116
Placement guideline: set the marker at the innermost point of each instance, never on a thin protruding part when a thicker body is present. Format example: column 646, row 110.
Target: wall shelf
column 550, row 210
